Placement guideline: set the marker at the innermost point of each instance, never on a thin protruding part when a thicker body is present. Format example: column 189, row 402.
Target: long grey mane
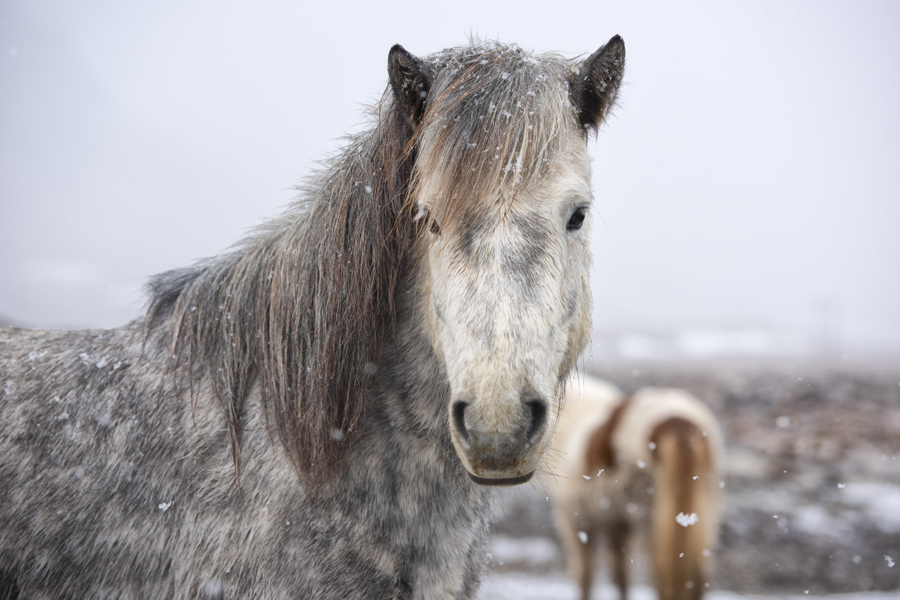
column 301, row 306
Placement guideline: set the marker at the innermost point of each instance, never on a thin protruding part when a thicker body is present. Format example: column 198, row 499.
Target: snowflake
column 686, row 520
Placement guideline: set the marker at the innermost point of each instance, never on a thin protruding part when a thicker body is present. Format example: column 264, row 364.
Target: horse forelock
column 494, row 124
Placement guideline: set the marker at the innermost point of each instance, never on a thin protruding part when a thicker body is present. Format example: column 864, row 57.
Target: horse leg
column 618, row 545
column 579, row 547
column 582, row 568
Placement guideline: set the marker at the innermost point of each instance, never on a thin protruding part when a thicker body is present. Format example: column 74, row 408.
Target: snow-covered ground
column 537, row 576
column 518, row 586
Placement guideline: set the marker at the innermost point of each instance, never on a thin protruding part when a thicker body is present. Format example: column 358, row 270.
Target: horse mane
column 302, row 306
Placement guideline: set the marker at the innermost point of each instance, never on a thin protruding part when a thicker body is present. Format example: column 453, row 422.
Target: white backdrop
column 748, row 183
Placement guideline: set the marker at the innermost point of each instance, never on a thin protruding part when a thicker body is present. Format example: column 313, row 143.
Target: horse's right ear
column 410, row 80
column 595, row 83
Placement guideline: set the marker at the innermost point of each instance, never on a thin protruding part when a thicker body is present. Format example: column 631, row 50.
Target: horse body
column 319, row 412
column 646, row 463
column 128, row 495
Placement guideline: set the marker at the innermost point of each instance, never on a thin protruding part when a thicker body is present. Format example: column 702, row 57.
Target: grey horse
column 322, row 411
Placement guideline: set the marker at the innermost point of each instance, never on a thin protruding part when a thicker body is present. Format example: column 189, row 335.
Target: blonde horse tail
column 685, row 508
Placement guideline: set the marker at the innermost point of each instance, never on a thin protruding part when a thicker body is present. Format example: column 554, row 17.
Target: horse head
column 502, row 193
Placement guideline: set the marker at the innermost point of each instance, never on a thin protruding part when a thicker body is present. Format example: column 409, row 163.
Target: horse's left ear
column 595, row 83
column 410, row 79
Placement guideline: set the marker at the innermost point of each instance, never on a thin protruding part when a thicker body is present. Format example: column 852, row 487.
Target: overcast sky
column 749, row 180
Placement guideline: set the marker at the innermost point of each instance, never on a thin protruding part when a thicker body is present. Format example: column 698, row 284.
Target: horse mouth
column 509, row 481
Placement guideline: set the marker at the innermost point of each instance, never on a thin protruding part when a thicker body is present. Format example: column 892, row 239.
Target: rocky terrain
column 811, row 475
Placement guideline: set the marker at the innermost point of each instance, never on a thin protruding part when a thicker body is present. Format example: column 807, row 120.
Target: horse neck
column 412, row 388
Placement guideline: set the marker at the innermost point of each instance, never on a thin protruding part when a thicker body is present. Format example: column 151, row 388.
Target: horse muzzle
column 501, row 453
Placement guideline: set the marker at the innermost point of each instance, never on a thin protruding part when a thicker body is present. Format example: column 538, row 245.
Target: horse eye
column 576, row 220
column 424, row 215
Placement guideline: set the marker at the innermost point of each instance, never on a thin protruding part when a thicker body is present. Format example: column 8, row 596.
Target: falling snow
column 687, row 520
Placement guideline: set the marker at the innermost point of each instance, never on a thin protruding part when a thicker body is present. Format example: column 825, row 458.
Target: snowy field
column 538, row 575
column 559, row 587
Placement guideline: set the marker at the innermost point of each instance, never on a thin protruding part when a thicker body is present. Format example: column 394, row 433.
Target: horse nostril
column 459, row 420
column 538, row 409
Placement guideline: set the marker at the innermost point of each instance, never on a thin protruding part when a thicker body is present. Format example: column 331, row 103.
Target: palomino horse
column 649, row 461
column 319, row 412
